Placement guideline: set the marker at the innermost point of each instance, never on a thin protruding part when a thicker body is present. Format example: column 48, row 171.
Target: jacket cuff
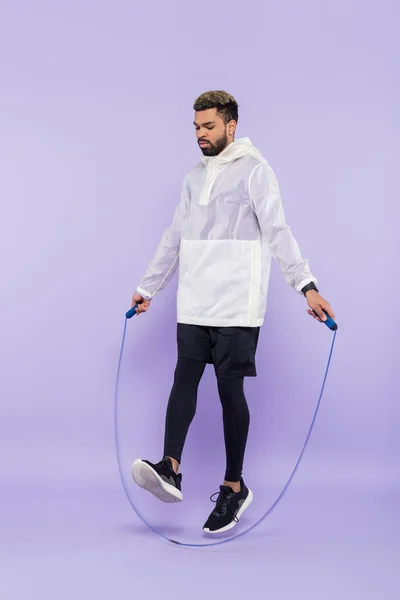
column 145, row 294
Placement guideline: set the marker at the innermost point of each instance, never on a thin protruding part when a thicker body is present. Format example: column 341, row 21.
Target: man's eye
column 212, row 127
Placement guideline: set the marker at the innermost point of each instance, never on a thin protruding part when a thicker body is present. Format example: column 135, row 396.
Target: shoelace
column 223, row 504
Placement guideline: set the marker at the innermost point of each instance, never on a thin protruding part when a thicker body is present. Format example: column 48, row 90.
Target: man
column 226, row 228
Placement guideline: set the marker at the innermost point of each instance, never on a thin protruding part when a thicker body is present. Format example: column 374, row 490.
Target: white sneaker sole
column 148, row 479
column 241, row 510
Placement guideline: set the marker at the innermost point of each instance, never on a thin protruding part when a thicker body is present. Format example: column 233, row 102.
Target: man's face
column 211, row 131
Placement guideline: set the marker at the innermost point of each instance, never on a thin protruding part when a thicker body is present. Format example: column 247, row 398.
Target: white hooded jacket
column 226, row 228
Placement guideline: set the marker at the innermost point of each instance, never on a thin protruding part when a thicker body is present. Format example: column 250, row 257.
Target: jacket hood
column 237, row 149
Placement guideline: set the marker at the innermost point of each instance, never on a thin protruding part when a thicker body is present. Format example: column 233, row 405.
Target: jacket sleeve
column 267, row 204
column 165, row 260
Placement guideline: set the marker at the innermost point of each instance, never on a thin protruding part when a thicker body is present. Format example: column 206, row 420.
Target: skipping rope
column 332, row 326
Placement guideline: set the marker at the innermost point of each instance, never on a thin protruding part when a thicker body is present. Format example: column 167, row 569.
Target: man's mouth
column 204, row 144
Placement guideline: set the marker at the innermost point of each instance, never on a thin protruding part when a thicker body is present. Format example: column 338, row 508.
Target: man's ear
column 232, row 127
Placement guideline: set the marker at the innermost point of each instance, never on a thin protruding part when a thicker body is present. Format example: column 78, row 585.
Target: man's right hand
column 143, row 304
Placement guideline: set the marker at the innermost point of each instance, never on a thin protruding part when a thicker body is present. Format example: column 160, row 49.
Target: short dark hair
column 225, row 104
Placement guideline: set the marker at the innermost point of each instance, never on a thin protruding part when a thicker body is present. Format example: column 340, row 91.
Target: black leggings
column 182, row 408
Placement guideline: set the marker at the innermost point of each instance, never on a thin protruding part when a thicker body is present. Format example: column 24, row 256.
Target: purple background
column 96, row 137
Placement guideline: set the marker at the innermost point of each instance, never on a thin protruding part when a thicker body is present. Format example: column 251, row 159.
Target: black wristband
column 308, row 287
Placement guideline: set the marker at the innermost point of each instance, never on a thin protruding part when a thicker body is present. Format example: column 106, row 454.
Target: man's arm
column 165, row 260
column 268, row 207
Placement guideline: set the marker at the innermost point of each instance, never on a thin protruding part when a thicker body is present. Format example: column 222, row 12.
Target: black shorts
column 232, row 350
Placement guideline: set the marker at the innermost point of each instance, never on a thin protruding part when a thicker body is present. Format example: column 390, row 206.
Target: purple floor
column 79, row 538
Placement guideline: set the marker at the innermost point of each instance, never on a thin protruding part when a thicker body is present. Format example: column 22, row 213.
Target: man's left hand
column 316, row 302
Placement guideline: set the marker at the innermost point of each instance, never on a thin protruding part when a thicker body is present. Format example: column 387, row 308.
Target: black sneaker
column 160, row 479
column 229, row 508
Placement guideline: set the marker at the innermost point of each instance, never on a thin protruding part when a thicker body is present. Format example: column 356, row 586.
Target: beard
column 217, row 147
